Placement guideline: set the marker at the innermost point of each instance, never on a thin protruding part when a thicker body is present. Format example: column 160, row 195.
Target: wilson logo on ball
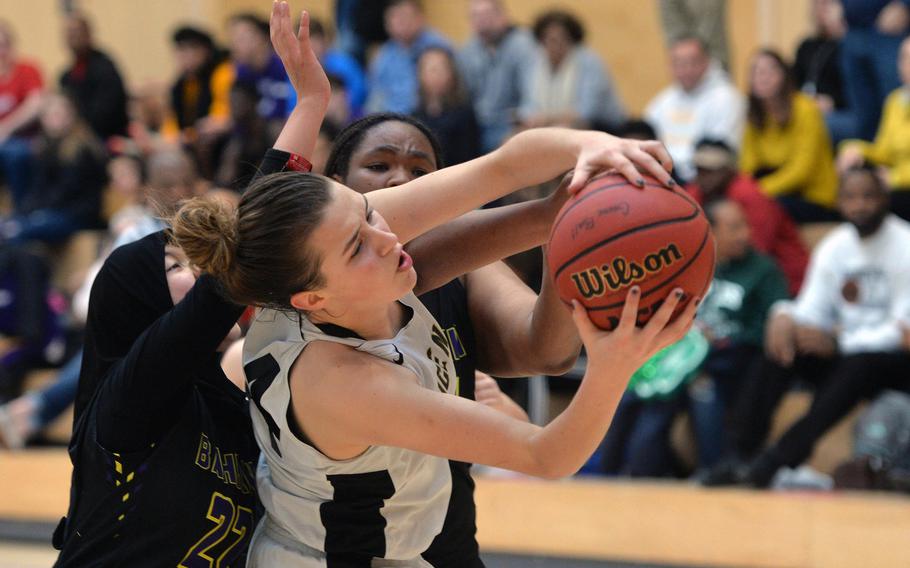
column 619, row 273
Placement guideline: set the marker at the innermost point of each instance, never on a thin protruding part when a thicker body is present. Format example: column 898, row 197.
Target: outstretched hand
column 300, row 63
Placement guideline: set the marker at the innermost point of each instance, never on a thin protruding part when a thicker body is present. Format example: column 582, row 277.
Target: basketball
column 613, row 235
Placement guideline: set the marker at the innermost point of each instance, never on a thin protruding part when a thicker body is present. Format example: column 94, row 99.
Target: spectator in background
column 250, row 137
column 339, row 109
column 359, row 24
column 256, row 63
column 706, row 19
column 93, row 82
column 444, row 106
column 891, row 149
column 786, row 146
column 568, row 84
column 817, row 68
column 494, row 63
column 393, row 72
column 875, row 29
column 199, row 98
column 772, row 230
column 733, row 315
column 844, row 333
column 701, row 103
column 21, row 87
column 66, row 195
column 340, row 64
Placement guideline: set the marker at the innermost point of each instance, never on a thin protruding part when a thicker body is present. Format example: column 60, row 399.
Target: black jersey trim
column 353, row 521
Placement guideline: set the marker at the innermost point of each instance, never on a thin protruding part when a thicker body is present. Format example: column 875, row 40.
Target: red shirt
column 22, row 80
column 773, row 231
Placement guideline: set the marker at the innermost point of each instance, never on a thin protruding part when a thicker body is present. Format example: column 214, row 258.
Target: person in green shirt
column 732, row 316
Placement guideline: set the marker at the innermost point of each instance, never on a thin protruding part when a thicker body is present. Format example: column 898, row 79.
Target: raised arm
column 482, row 237
column 306, row 75
column 145, row 393
column 531, row 157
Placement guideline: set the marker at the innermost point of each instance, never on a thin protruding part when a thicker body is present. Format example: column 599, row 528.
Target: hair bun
column 206, row 230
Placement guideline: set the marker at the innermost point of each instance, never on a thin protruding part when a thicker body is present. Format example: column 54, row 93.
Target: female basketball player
column 320, row 506
column 351, row 412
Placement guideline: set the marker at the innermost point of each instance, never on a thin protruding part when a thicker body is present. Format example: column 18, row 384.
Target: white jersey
column 385, row 504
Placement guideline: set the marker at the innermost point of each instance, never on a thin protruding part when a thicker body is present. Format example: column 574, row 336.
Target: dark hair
column 416, row 3
column 255, row 21
column 317, row 28
column 636, row 127
column 258, row 252
column 349, row 139
column 247, row 88
column 867, row 169
column 457, row 95
column 714, row 143
column 756, row 113
column 562, row 18
column 189, row 35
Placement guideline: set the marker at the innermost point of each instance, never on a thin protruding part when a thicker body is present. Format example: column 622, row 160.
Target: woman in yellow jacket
column 786, row 146
column 891, row 148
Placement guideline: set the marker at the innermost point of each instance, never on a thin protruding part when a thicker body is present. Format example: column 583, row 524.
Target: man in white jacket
column 846, row 332
column 701, row 103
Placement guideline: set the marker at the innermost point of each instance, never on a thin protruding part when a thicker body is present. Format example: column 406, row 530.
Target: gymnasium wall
column 626, row 33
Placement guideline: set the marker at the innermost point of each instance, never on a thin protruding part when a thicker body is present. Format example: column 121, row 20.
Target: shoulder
column 897, row 98
column 804, row 108
column 833, row 242
column 668, row 96
column 335, row 372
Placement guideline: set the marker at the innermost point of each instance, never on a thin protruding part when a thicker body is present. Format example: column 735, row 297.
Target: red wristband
column 298, row 163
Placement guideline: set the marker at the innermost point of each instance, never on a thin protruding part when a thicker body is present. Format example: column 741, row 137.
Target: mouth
column 405, row 262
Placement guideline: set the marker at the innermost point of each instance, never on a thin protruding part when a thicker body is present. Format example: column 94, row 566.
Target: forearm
column 302, row 127
column 528, row 158
column 553, row 341
column 563, row 446
column 477, row 239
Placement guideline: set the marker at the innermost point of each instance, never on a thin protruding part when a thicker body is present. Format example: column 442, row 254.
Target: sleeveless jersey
column 387, row 503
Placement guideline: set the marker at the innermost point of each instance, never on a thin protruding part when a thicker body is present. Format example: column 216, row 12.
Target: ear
column 308, row 301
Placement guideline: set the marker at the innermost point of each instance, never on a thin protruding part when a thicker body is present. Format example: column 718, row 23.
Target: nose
column 399, row 177
column 386, row 241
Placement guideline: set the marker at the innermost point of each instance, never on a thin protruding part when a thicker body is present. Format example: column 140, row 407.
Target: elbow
column 552, row 471
column 556, row 364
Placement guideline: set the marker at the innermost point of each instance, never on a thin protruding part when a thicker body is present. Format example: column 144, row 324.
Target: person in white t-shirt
column 846, row 332
column 701, row 103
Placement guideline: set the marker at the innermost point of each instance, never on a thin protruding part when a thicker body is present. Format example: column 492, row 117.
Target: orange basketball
column 613, row 235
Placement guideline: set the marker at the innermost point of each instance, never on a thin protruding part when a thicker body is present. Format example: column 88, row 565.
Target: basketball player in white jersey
column 355, row 415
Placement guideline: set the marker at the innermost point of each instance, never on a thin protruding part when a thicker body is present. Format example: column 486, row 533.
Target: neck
column 380, row 322
column 433, row 104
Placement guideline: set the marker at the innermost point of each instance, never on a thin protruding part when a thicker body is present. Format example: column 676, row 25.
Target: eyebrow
column 353, row 239
column 411, row 153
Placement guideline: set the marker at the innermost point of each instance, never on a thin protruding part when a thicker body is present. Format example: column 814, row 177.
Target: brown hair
column 456, row 95
column 79, row 137
column 259, row 251
column 756, row 113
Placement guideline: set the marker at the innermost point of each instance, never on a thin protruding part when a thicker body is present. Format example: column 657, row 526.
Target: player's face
column 179, row 274
column 363, row 263
column 391, row 153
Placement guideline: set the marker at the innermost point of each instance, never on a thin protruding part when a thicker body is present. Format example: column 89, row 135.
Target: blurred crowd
column 818, row 144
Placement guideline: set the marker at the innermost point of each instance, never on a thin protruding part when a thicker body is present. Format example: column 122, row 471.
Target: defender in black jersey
column 162, row 451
